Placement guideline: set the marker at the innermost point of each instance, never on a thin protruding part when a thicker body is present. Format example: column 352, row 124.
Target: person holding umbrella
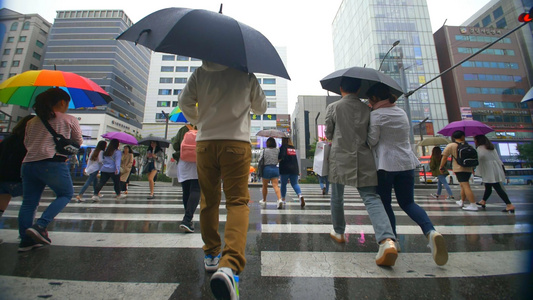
column 110, row 169
column 44, row 166
column 153, row 162
column 126, row 163
column 388, row 136
column 225, row 97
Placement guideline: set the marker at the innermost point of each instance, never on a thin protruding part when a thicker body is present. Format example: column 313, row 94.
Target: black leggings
column 499, row 189
column 104, row 177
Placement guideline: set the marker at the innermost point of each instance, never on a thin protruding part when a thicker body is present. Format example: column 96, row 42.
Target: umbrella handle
column 141, row 33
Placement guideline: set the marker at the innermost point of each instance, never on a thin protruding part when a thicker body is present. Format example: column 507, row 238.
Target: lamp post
column 316, row 125
column 166, row 123
column 421, row 137
column 393, row 45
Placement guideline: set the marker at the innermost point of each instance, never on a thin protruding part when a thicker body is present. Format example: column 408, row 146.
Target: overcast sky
column 303, row 26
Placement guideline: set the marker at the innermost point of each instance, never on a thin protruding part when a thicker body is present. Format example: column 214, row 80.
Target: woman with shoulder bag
column 110, row 169
column 271, row 170
column 434, row 165
column 94, row 164
column 288, row 169
column 126, row 164
column 153, row 162
column 43, row 166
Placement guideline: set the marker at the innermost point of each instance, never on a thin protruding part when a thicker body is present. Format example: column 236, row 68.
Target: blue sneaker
column 224, row 284
column 211, row 262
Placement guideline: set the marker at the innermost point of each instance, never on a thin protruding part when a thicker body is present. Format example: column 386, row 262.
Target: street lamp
column 166, row 123
column 316, row 125
column 393, row 45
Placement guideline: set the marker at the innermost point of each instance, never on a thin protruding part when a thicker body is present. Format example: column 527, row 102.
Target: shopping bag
column 261, row 165
column 321, row 161
column 172, row 168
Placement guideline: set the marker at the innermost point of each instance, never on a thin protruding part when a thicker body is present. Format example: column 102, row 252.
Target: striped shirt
column 40, row 143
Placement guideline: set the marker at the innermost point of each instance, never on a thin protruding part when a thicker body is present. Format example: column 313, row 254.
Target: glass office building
column 363, row 33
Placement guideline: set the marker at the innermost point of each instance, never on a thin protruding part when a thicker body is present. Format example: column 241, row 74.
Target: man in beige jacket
column 225, row 97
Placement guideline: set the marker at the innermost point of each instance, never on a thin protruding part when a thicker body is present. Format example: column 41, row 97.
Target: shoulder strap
column 190, row 127
column 49, row 128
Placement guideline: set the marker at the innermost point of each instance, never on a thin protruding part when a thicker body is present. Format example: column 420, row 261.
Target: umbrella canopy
column 176, row 115
column 121, row 137
column 528, row 96
column 162, row 142
column 469, row 127
column 368, row 76
column 272, row 133
column 434, row 141
column 136, row 153
column 207, row 35
column 23, row 88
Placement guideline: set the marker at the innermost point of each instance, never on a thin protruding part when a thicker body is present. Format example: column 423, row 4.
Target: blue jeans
column 93, row 178
column 374, row 207
column 442, row 181
column 294, row 183
column 404, row 188
column 35, row 177
column 323, row 181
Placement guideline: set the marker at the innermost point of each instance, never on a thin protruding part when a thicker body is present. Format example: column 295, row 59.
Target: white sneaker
column 471, row 207
column 95, row 199
column 338, row 237
column 460, row 203
column 438, row 248
column 122, row 196
column 224, row 284
column 262, row 201
column 434, row 195
column 387, row 254
column 450, row 198
column 280, row 204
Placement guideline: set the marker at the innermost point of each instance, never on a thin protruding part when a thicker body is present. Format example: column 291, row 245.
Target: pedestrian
column 396, row 162
column 94, row 164
column 324, row 184
column 289, row 170
column 462, row 173
column 434, row 165
column 351, row 162
column 491, row 170
column 188, row 177
column 126, row 163
column 12, row 152
column 43, row 166
column 225, row 97
column 110, row 169
column 271, row 171
column 153, row 162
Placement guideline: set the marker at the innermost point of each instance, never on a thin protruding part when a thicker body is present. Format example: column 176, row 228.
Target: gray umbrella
column 207, row 35
column 368, row 76
column 528, row 96
column 162, row 142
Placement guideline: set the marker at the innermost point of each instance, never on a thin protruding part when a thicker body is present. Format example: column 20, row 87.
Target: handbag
column 261, row 165
column 64, row 146
column 172, row 169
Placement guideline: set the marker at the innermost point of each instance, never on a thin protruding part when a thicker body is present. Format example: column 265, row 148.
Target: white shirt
column 225, row 98
column 186, row 170
column 490, row 165
column 94, row 165
column 388, row 135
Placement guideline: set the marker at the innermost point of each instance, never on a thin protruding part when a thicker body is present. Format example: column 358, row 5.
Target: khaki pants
column 229, row 160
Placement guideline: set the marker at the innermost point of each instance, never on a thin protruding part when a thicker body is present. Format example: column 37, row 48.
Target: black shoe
column 187, row 228
column 511, row 211
column 151, row 197
column 39, row 234
column 27, row 246
column 482, row 205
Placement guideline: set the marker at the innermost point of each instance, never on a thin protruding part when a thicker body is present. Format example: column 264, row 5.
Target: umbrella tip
column 220, row 11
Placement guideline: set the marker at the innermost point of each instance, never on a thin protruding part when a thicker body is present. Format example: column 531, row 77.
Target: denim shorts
column 270, row 171
column 11, row 187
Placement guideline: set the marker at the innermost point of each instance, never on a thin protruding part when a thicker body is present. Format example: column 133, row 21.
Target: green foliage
column 526, row 153
column 309, row 179
column 311, row 150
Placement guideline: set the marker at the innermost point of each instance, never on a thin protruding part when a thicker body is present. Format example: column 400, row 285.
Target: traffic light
column 526, row 17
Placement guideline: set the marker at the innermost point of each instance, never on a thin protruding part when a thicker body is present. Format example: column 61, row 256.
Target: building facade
column 363, row 33
column 503, row 14
column 489, row 86
column 169, row 74
column 24, row 38
column 83, row 42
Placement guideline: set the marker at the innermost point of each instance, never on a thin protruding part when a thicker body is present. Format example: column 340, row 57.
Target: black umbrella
column 147, row 140
column 207, row 35
column 368, row 76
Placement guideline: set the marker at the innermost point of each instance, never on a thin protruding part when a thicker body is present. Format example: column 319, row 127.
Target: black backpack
column 466, row 155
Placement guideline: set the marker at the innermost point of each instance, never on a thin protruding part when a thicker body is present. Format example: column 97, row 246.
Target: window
column 470, row 76
column 7, row 51
column 37, row 55
column 177, row 91
column 11, row 75
column 167, row 69
column 26, row 25
column 165, row 80
column 498, row 12
column 33, row 67
column 259, row 80
column 165, row 92
column 39, row 44
column 509, row 52
column 15, row 63
column 169, row 57
column 22, row 39
column 3, row 64
column 182, row 69
column 270, row 92
column 271, row 104
column 2, row 78
column 163, row 103
column 183, row 58
column 180, row 80
column 193, row 69
column 10, row 39
column 14, row 26
column 18, row 51
column 269, row 81
column 501, row 23
column 174, row 103
column 160, row 116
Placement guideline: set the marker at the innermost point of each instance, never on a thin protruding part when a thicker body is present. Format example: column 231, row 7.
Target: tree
column 526, row 153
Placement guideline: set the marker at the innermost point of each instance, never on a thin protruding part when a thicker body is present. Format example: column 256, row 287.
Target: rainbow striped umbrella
column 23, row 88
column 176, row 115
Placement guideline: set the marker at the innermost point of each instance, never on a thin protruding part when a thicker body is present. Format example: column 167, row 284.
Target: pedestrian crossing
column 134, row 246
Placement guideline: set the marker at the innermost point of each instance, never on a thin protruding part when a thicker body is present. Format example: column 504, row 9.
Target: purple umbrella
column 121, row 137
column 469, row 127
